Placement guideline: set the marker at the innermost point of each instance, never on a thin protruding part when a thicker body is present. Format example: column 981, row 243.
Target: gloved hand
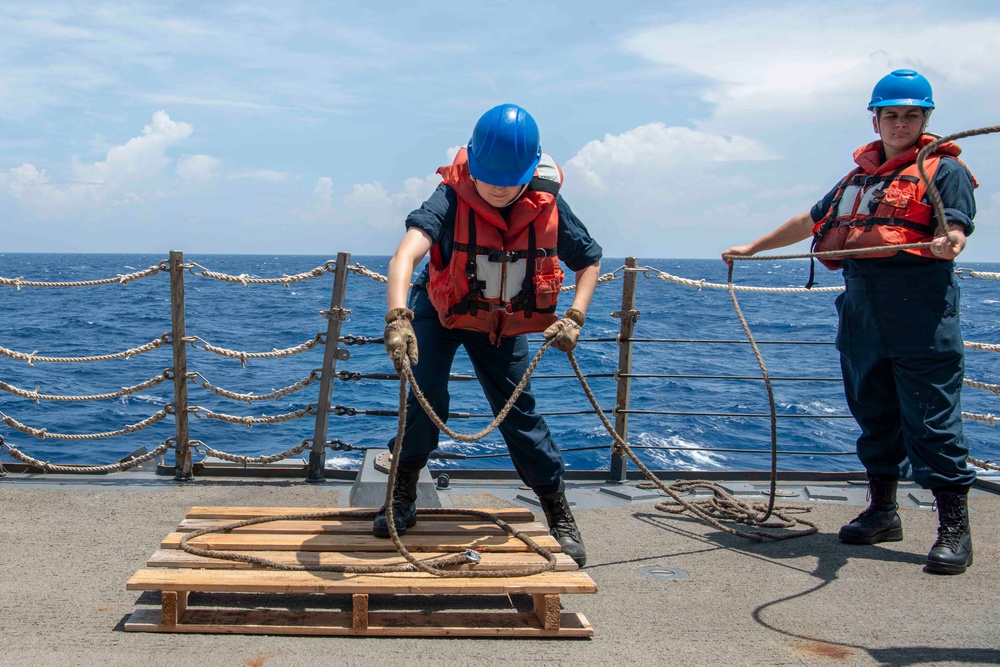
column 566, row 331
column 400, row 339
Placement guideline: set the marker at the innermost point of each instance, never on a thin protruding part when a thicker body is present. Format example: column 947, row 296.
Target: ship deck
column 69, row 544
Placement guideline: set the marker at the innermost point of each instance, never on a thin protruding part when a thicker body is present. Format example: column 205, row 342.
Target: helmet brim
column 500, row 178
column 901, row 103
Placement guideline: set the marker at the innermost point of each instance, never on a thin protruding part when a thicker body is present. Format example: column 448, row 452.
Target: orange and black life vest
column 881, row 203
column 503, row 277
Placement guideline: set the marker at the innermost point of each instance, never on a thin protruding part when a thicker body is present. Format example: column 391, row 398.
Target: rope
column 379, row 278
column 982, row 346
column 603, row 278
column 406, row 375
column 125, row 391
column 249, row 397
column 368, row 273
column 454, row 559
column 246, row 281
column 121, row 279
column 205, row 413
column 663, row 275
column 245, row 356
column 988, row 419
column 121, row 466
column 247, row 460
column 977, row 274
column 43, row 434
column 126, row 354
column 985, row 465
column 734, row 510
column 932, row 190
column 995, row 388
column 435, row 567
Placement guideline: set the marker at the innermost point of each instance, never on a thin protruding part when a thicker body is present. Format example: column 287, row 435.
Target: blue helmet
column 902, row 88
column 504, row 149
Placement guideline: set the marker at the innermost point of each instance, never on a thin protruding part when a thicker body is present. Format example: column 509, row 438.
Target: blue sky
column 314, row 127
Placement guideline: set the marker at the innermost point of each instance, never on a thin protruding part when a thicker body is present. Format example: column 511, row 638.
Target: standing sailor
column 496, row 229
column 900, row 344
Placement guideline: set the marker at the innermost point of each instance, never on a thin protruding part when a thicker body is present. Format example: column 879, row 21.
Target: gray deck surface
column 68, row 548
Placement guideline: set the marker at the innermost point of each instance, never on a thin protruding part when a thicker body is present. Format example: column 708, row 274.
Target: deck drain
column 780, row 493
column 665, row 573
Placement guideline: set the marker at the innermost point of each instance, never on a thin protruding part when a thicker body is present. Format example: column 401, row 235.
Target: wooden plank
column 508, row 514
column 173, row 606
column 277, row 581
column 415, row 543
column 548, row 610
column 175, row 558
column 359, row 616
column 380, row 624
column 333, row 527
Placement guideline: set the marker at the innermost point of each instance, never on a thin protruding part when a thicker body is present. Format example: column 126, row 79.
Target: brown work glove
column 400, row 339
column 566, row 331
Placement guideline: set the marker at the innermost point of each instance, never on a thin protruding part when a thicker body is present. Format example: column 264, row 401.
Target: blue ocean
column 682, row 412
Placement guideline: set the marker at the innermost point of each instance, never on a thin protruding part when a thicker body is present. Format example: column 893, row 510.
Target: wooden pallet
column 418, row 602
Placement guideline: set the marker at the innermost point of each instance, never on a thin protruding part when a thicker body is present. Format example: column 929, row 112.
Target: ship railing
column 335, row 345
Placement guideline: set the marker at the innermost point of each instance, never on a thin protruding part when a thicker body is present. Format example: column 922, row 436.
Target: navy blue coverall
column 902, row 354
column 535, row 455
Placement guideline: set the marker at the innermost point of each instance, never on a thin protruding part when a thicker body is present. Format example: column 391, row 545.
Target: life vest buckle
column 505, row 256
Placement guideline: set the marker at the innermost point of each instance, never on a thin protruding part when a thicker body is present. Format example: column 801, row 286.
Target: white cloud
column 136, row 164
column 648, row 150
column 269, row 175
column 759, row 62
column 201, row 168
column 320, row 207
column 369, row 204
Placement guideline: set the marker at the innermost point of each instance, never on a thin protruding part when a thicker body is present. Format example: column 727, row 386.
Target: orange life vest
column 881, row 203
column 504, row 275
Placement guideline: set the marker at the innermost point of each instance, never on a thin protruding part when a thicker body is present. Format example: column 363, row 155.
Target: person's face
column 498, row 195
column 899, row 127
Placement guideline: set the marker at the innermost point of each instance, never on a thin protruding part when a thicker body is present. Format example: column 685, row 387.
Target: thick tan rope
column 112, row 467
column 245, row 356
column 406, row 375
column 687, row 282
column 205, row 413
column 985, row 465
column 977, row 274
column 249, row 397
column 988, row 419
column 246, row 281
column 126, row 354
column 250, row 460
column 43, row 434
column 994, row 388
column 124, row 391
column 735, row 510
column 121, row 279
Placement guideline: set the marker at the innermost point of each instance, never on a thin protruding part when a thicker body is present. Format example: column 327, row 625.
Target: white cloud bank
column 806, row 57
column 125, row 176
column 199, row 168
column 649, row 150
column 369, row 207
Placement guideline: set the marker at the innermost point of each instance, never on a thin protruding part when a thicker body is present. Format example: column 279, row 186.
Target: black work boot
column 880, row 522
column 562, row 526
column 952, row 552
column 404, row 504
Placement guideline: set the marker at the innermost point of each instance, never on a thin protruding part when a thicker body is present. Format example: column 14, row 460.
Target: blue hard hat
column 902, row 88
column 504, row 149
